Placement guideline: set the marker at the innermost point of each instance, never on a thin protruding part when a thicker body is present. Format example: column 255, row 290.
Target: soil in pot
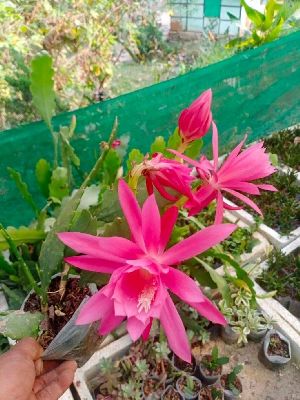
column 211, row 393
column 278, row 347
column 153, row 386
column 171, row 394
column 183, row 387
column 209, row 375
column 183, row 365
column 60, row 311
column 231, row 392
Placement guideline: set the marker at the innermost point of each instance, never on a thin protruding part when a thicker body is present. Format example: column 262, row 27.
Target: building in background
column 218, row 16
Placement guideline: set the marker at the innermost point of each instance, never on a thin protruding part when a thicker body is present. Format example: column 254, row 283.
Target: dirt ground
column 260, row 383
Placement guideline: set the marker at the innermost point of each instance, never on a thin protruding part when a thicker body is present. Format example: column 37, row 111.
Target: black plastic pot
column 207, row 379
column 229, row 394
column 274, row 361
column 228, row 335
column 185, row 395
column 160, row 387
column 183, row 366
column 170, row 387
column 257, row 336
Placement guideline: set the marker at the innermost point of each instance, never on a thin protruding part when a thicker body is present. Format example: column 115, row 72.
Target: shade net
column 254, row 92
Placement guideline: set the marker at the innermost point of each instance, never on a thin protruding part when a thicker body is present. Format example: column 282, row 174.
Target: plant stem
column 63, row 280
column 21, row 261
column 55, row 146
column 106, row 146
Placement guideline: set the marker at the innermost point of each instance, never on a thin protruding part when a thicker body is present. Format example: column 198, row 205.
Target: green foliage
column 111, row 167
column 19, row 324
column 21, row 235
column 282, row 275
column 134, row 157
column 284, row 144
column 281, row 210
column 43, row 176
column 59, row 185
column 215, row 361
column 231, row 377
column 194, row 149
column 23, row 189
column 42, row 87
column 266, row 26
column 158, row 146
column 174, row 141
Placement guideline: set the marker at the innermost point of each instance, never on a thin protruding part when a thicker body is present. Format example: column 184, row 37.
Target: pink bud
column 116, row 143
column 194, row 121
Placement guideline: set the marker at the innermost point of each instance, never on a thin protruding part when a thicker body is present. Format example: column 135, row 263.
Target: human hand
column 25, row 376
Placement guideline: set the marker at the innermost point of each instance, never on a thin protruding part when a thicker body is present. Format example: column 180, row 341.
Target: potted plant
column 188, row 386
column 232, row 384
column 211, row 365
column 211, row 393
column 276, row 350
column 258, row 325
column 171, row 393
column 181, row 365
column 153, row 388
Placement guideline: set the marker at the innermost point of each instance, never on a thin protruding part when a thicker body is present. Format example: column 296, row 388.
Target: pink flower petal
column 185, row 158
column 135, row 328
column 94, row 309
column 151, row 224
column 109, row 323
column 90, row 263
column 265, row 186
column 245, row 199
column 197, row 243
column 175, row 332
column 132, row 212
column 209, row 311
column 231, row 157
column 220, row 209
column 111, row 248
column 183, row 286
column 147, row 330
column 168, row 221
column 215, row 145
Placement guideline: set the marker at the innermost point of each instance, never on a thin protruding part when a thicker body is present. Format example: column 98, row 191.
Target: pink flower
column 165, row 175
column 116, row 143
column 141, row 272
column 194, row 121
column 233, row 176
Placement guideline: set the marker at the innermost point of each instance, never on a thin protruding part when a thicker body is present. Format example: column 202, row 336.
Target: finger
column 39, row 367
column 29, row 348
column 56, row 382
column 50, row 365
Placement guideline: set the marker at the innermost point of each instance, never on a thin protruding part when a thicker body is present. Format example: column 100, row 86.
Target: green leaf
column 232, row 17
column 59, row 188
column 134, row 157
column 52, row 250
column 109, row 207
column 111, row 166
column 15, row 297
column 158, row 146
column 174, row 142
column 223, row 360
column 266, row 295
column 194, row 149
column 6, row 266
column 68, row 150
column 43, row 176
column 255, row 16
column 87, row 277
column 42, row 87
column 19, row 324
column 23, row 189
column 21, row 235
column 219, row 280
column 214, row 353
column 274, row 159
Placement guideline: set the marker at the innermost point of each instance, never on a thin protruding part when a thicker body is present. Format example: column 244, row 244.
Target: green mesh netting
column 255, row 92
